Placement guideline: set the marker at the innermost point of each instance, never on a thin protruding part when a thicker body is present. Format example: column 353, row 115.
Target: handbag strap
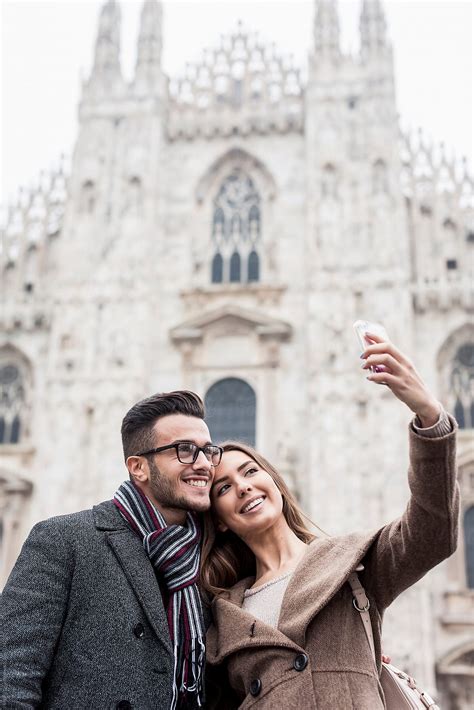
column 362, row 604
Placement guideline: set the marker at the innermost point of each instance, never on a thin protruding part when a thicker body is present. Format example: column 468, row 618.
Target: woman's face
column 244, row 496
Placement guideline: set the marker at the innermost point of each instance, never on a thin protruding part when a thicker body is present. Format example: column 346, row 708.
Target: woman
column 285, row 631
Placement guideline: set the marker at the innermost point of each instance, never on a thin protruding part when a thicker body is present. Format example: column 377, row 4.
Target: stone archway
column 455, row 678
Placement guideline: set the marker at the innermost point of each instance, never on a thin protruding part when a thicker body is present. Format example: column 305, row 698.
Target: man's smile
column 197, row 481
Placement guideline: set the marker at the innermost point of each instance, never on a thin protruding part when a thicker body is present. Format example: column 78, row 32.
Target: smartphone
column 362, row 327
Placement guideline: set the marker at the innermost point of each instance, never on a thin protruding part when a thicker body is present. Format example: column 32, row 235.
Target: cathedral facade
column 221, row 232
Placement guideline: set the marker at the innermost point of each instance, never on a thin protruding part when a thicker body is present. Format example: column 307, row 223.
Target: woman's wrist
column 429, row 415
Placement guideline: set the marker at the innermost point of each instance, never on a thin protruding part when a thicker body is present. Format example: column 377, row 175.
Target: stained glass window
column 231, row 410
column 12, row 403
column 236, row 230
column 235, row 268
column 462, row 385
column 217, row 269
column 254, row 267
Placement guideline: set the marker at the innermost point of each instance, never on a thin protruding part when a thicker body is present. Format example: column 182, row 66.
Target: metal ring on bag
column 365, row 608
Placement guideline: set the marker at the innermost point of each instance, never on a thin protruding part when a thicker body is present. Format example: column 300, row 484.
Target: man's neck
column 172, row 516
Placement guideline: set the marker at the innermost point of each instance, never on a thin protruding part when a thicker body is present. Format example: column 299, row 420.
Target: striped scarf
column 174, row 551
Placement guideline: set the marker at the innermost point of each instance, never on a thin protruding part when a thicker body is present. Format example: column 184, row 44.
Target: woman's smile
column 253, row 504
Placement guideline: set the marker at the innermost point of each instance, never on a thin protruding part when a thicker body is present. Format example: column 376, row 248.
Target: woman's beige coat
column 319, row 656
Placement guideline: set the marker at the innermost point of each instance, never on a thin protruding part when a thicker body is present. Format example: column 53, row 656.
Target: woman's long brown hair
column 225, row 558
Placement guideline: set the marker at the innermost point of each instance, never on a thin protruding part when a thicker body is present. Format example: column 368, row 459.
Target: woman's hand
column 400, row 376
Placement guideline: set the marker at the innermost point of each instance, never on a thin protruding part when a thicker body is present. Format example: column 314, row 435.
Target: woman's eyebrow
column 243, row 465
column 224, row 478
column 219, row 480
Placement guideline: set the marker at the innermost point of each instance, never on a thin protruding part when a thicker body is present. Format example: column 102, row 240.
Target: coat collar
column 323, row 570
column 320, row 574
column 107, row 517
column 136, row 566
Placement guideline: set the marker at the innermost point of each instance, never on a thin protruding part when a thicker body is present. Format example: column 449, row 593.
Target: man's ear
column 138, row 468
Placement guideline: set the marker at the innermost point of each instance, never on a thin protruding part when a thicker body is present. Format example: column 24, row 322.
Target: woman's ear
column 221, row 527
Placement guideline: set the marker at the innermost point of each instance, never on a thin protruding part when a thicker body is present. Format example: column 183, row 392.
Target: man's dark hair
column 138, row 423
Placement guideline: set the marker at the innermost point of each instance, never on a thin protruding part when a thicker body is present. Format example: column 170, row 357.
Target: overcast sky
column 47, row 46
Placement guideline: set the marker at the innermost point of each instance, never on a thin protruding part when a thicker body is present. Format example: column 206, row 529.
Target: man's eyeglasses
column 188, row 452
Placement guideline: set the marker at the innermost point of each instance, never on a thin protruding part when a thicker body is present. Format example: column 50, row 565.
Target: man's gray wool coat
column 83, row 623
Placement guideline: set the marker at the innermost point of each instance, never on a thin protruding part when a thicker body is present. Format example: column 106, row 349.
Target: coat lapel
column 235, row 629
column 321, row 573
column 136, row 566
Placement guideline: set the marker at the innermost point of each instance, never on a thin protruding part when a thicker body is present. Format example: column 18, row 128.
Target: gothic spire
column 148, row 76
column 326, row 30
column 106, row 71
column 373, row 28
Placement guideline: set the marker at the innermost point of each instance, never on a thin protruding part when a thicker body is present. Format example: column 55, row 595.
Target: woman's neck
column 277, row 550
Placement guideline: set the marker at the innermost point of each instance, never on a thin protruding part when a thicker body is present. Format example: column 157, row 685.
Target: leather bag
column 401, row 690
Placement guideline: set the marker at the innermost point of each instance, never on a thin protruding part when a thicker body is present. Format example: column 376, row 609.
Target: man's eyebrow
column 224, row 478
column 190, row 441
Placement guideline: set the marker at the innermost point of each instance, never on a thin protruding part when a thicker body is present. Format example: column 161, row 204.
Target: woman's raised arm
column 426, row 533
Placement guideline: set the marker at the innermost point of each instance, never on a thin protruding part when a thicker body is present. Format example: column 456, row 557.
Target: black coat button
column 139, row 631
column 123, row 705
column 255, row 686
column 300, row 662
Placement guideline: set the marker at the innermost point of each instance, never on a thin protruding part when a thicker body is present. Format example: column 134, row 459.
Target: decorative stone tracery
column 32, row 223
column 240, row 87
column 236, row 230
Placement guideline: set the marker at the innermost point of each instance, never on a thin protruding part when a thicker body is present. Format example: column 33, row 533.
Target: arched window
column 15, row 430
column 462, row 385
column 12, row 402
column 469, row 545
column 217, row 269
column 231, row 410
column 235, row 268
column 253, row 267
column 236, row 226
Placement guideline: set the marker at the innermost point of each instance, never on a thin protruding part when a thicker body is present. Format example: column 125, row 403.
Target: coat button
column 139, row 631
column 255, row 686
column 123, row 705
column 300, row 662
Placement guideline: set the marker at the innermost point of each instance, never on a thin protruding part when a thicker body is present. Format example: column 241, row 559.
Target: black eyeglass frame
column 176, row 446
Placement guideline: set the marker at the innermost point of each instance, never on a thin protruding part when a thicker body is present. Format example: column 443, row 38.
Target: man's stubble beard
column 165, row 493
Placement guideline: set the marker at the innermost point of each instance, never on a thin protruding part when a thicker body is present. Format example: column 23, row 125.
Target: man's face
column 176, row 487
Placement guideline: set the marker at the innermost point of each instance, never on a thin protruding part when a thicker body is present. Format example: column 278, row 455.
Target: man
column 102, row 608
